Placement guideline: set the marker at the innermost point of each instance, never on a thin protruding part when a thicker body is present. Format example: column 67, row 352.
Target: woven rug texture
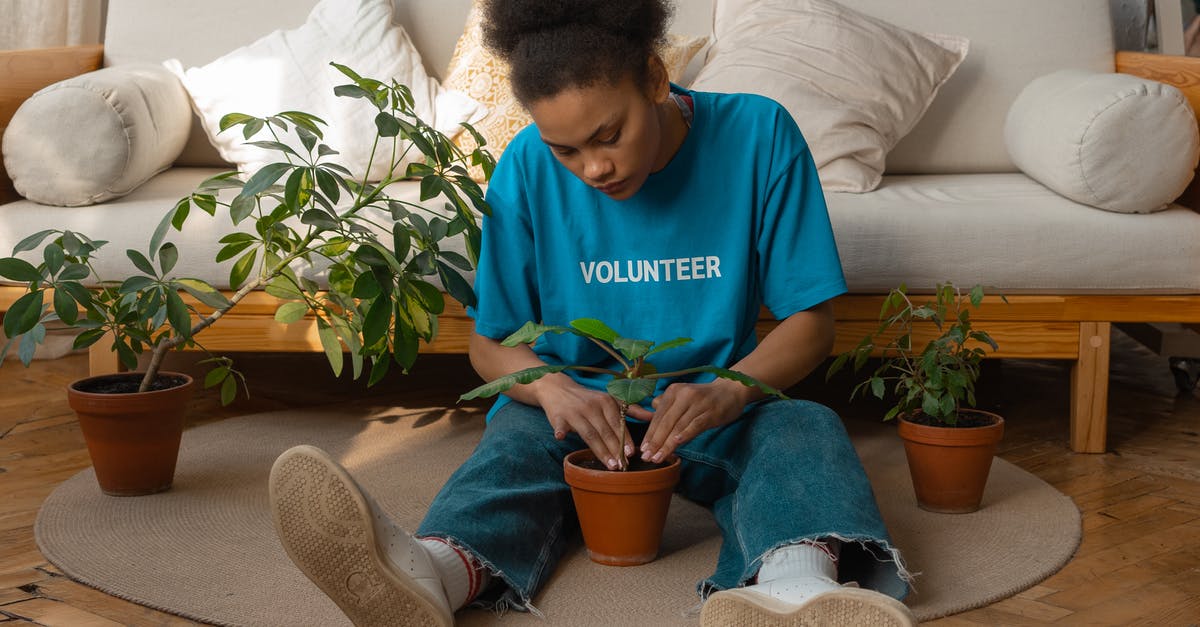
column 206, row 550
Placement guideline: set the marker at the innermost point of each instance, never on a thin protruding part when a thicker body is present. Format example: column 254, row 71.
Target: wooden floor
column 1139, row 563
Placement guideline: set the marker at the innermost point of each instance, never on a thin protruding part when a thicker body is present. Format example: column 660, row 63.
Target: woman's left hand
column 684, row 410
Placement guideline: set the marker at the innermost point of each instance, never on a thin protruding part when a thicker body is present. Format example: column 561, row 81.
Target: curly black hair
column 554, row 44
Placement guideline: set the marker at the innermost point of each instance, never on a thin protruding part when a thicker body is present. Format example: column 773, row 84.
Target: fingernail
column 612, row 463
column 657, row 457
column 628, row 450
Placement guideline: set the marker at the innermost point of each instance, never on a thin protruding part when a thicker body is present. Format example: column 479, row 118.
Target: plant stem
column 160, row 349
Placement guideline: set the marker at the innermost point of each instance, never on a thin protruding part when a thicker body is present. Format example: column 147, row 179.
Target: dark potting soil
column 635, row 464
column 128, row 383
column 965, row 421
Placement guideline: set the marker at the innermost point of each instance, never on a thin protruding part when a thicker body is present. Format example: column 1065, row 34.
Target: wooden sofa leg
column 102, row 359
column 1089, row 389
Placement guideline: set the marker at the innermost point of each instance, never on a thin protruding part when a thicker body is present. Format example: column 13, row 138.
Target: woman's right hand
column 594, row 415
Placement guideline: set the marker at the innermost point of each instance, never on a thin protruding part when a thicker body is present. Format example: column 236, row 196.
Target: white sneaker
column 376, row 572
column 803, row 602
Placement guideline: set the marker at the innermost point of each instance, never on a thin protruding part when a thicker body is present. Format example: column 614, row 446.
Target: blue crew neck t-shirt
column 735, row 220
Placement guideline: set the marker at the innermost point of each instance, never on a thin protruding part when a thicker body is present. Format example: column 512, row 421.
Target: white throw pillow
column 289, row 70
column 96, row 136
column 854, row 84
column 1113, row 141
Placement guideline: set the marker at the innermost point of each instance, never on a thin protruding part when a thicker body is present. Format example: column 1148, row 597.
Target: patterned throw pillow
column 475, row 71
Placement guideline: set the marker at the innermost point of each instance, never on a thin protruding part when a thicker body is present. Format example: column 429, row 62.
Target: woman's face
column 610, row 136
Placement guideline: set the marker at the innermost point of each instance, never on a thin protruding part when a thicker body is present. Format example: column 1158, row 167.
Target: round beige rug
column 206, row 550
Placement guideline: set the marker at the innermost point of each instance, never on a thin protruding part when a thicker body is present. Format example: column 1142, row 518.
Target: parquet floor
column 1139, row 563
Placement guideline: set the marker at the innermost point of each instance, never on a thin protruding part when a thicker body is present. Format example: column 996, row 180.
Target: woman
column 707, row 206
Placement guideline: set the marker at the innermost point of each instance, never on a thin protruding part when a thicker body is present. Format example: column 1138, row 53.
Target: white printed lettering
column 587, row 268
column 698, row 268
column 650, row 268
column 630, row 266
column 714, row 266
column 667, row 263
column 682, row 270
column 604, row 271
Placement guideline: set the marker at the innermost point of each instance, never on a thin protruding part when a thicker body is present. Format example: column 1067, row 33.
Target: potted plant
column 948, row 442
column 378, row 302
column 621, row 512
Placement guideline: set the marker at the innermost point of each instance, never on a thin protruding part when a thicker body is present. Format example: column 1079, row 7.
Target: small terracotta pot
column 622, row 514
column 133, row 438
column 950, row 465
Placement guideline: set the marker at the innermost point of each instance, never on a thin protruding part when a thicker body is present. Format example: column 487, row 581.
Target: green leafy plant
column 938, row 379
column 632, row 384
column 381, row 252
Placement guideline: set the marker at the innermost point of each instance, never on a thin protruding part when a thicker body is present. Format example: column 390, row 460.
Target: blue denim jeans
column 785, row 472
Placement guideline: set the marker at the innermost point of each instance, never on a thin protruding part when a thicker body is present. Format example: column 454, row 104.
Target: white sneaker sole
column 324, row 523
column 847, row 606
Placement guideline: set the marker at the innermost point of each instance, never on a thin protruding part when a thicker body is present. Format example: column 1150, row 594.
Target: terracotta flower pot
column 622, row 514
column 950, row 465
column 133, row 438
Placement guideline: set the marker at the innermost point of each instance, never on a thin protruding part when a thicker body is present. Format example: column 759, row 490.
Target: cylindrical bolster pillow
column 97, row 136
column 1113, row 141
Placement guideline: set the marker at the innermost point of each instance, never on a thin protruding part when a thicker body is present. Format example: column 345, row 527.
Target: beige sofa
column 952, row 205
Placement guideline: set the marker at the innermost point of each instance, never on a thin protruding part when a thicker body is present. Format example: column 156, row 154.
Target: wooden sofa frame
column 1044, row 326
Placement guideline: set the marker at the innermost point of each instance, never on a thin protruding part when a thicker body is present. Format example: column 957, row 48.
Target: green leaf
column 976, row 295
column 65, row 308
column 265, row 178
column 669, row 344
column 744, row 379
column 592, row 327
column 178, row 314
column 283, row 287
column 233, row 119
column 387, row 124
column 252, row 128
column 19, row 270
column 87, row 338
column 366, row 286
column 71, row 243
column 948, row 405
column 320, row 219
column 73, row 272
column 54, row 256
column 631, row 348
column 206, row 202
column 405, row 341
column 291, row 312
column 241, row 207
column 630, row 391
column 228, row 390
column 351, row 91
column 877, row 387
column 276, row 146
column 333, row 348
column 328, row 185
column 531, row 331
column 506, row 382
column 203, row 292
column 378, row 319
column 429, row 296
column 455, row 259
column 140, row 261
column 33, row 241
column 458, row 286
column 931, row 406
column 23, row 314
column 379, row 368
column 168, row 256
column 135, row 284
column 215, row 376
column 242, row 268
column 28, row 345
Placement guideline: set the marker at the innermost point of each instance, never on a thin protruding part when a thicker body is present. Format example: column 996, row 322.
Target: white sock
column 462, row 577
column 796, row 573
column 798, row 560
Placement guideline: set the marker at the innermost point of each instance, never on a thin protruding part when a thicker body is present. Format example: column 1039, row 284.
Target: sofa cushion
column 854, row 84
column 97, row 136
column 289, row 70
column 1010, row 233
column 1112, row 141
column 1012, row 43
column 483, row 76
